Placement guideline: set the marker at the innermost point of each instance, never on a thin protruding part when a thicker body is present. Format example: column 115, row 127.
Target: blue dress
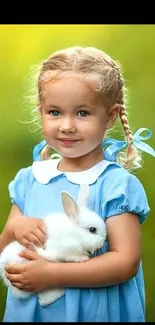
column 113, row 190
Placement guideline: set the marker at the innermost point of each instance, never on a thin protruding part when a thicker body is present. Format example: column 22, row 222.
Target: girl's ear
column 69, row 205
column 113, row 113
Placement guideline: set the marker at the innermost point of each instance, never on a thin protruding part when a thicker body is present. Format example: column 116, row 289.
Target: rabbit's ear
column 69, row 205
column 83, row 194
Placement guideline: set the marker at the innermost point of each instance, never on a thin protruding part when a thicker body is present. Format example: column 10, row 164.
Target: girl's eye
column 83, row 113
column 54, row 113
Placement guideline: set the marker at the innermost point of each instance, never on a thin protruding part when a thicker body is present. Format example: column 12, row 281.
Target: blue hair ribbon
column 37, row 149
column 114, row 146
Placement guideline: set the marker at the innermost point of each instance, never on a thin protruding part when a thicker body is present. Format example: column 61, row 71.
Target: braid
column 125, row 124
column 131, row 152
column 131, row 157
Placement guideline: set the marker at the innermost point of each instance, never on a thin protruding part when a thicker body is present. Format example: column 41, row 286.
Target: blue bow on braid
column 37, row 149
column 114, row 146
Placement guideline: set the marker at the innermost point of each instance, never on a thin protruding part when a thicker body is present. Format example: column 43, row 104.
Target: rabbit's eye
column 92, row 230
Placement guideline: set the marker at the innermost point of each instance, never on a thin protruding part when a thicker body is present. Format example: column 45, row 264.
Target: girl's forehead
column 69, row 89
column 67, row 83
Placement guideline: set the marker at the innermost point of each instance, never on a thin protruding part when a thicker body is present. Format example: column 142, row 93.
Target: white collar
column 44, row 171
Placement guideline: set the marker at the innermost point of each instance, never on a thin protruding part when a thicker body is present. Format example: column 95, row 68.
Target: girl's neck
column 81, row 163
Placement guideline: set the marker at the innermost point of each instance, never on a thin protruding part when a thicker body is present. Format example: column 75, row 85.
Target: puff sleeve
column 125, row 193
column 19, row 186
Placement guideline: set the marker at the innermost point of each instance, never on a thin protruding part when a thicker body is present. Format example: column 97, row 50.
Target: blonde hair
column 104, row 75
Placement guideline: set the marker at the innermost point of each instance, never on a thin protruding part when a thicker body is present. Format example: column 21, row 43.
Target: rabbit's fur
column 71, row 237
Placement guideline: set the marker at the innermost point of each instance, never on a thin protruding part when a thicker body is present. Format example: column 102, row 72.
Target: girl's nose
column 67, row 125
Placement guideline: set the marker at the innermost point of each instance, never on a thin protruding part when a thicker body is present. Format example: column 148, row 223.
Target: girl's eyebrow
column 54, row 106
column 82, row 105
column 76, row 106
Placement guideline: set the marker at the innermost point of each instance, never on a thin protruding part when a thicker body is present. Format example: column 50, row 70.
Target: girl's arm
column 6, row 236
column 118, row 265
column 26, row 230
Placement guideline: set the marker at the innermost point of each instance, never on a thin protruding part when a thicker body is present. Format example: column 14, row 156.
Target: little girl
column 80, row 97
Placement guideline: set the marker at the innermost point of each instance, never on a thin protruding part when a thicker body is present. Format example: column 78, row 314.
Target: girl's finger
column 34, row 240
column 40, row 235
column 42, row 226
column 18, row 285
column 14, row 268
column 12, row 277
column 23, row 287
column 29, row 255
column 25, row 242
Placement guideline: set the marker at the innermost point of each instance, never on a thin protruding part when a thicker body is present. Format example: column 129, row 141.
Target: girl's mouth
column 68, row 142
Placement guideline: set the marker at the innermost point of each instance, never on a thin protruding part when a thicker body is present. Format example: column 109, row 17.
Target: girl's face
column 73, row 116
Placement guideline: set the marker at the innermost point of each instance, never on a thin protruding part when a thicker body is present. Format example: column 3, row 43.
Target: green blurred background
column 21, row 47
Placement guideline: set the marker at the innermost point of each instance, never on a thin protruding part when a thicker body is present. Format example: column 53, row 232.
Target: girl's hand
column 30, row 276
column 26, row 230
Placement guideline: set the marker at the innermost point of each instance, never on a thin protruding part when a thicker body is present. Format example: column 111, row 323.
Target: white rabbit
column 71, row 237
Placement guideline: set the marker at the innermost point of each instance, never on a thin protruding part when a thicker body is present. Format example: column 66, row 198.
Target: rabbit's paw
column 84, row 258
column 48, row 297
